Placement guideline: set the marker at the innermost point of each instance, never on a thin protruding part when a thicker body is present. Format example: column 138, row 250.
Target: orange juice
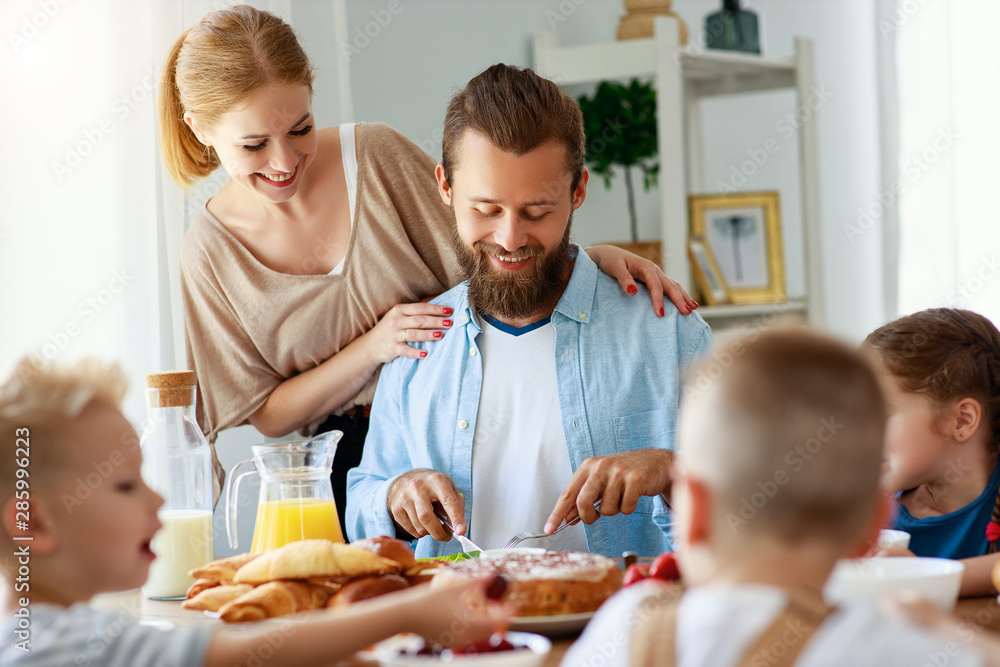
column 282, row 521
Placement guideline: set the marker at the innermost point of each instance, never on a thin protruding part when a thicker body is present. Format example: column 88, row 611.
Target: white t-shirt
column 349, row 158
column 80, row 636
column 716, row 625
column 520, row 461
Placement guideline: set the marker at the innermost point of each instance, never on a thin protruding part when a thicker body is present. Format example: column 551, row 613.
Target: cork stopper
column 173, row 389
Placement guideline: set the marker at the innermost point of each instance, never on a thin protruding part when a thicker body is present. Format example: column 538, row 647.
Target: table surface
column 984, row 611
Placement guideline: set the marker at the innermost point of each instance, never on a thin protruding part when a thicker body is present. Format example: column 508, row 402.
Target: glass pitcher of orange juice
column 296, row 497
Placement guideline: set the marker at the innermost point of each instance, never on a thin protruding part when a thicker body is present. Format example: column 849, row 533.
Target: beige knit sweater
column 249, row 328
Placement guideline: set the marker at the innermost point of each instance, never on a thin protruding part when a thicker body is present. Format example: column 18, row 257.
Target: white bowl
column 936, row 579
column 893, row 538
column 388, row 653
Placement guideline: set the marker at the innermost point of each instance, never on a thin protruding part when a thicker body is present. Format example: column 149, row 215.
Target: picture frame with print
column 706, row 273
column 741, row 232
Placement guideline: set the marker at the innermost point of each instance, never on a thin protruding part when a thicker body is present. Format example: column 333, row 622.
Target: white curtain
column 90, row 223
column 81, row 224
column 947, row 62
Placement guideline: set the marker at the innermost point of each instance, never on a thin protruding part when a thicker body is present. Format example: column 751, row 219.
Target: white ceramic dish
column 388, row 653
column 551, row 626
column 936, row 579
column 893, row 538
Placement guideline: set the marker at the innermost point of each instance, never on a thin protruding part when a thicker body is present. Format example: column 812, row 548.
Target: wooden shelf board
column 637, row 57
column 750, row 310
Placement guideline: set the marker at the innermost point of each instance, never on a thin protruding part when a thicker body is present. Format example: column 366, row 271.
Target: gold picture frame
column 741, row 233
column 706, row 273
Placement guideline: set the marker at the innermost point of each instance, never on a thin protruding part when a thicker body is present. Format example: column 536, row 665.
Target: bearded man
column 554, row 396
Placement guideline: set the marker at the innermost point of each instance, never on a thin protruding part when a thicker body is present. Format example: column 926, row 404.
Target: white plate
column 551, row 626
column 388, row 654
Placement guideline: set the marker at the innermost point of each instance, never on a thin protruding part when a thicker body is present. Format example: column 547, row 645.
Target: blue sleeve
column 385, row 457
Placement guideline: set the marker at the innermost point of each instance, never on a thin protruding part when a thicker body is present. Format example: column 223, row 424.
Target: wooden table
column 984, row 612
column 159, row 613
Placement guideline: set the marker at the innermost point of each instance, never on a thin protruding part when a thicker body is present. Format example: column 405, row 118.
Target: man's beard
column 514, row 295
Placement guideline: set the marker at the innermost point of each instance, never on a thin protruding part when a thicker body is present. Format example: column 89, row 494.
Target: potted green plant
column 620, row 124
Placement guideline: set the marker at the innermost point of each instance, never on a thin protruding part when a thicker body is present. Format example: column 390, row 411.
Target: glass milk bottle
column 177, row 464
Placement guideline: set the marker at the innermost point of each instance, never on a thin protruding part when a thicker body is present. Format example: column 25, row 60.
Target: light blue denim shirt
column 618, row 369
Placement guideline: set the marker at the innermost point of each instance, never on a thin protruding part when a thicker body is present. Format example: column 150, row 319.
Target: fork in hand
column 521, row 537
column 468, row 546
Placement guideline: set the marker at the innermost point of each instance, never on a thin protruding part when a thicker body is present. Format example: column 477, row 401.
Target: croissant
column 314, row 558
column 276, row 598
column 221, row 571
column 201, row 585
column 367, row 587
column 212, row 599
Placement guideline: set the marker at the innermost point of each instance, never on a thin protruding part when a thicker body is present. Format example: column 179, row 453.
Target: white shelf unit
column 683, row 77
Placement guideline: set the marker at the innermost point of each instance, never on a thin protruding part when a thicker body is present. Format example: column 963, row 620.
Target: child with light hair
column 76, row 519
column 776, row 479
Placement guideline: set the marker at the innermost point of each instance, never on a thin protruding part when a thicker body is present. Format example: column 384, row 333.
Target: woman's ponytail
column 186, row 158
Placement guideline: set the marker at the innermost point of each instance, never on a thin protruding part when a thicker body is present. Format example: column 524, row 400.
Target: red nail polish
column 423, row 353
column 687, row 311
column 447, row 323
column 695, row 304
column 632, row 289
column 661, row 312
column 448, row 311
column 437, row 334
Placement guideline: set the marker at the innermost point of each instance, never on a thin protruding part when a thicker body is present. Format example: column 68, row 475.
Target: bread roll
column 365, row 588
column 212, row 599
column 313, row 558
column 222, row 570
column 276, row 598
column 389, row 547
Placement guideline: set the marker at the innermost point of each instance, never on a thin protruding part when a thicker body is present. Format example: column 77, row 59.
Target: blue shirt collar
column 576, row 303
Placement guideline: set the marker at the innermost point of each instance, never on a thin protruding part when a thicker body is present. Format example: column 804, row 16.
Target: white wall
column 418, row 57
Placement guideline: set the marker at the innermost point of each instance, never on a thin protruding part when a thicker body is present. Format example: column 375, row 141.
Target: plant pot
column 651, row 250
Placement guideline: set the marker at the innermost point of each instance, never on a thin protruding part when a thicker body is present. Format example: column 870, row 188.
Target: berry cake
column 541, row 584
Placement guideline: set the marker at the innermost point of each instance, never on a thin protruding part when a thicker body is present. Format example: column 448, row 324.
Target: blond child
column 940, row 370
column 63, row 430
column 777, row 477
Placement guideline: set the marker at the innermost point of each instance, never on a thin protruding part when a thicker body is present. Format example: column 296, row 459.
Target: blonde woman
column 307, row 270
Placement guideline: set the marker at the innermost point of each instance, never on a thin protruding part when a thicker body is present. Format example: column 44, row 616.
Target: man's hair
column 518, row 111
column 794, row 446
column 39, row 401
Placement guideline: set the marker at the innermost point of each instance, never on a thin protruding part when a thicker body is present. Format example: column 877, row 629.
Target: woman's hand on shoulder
column 408, row 323
column 626, row 267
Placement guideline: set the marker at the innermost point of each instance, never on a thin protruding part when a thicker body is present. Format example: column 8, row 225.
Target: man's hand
column 411, row 501
column 618, row 481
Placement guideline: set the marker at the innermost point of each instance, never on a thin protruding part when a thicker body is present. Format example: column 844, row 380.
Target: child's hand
column 442, row 617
